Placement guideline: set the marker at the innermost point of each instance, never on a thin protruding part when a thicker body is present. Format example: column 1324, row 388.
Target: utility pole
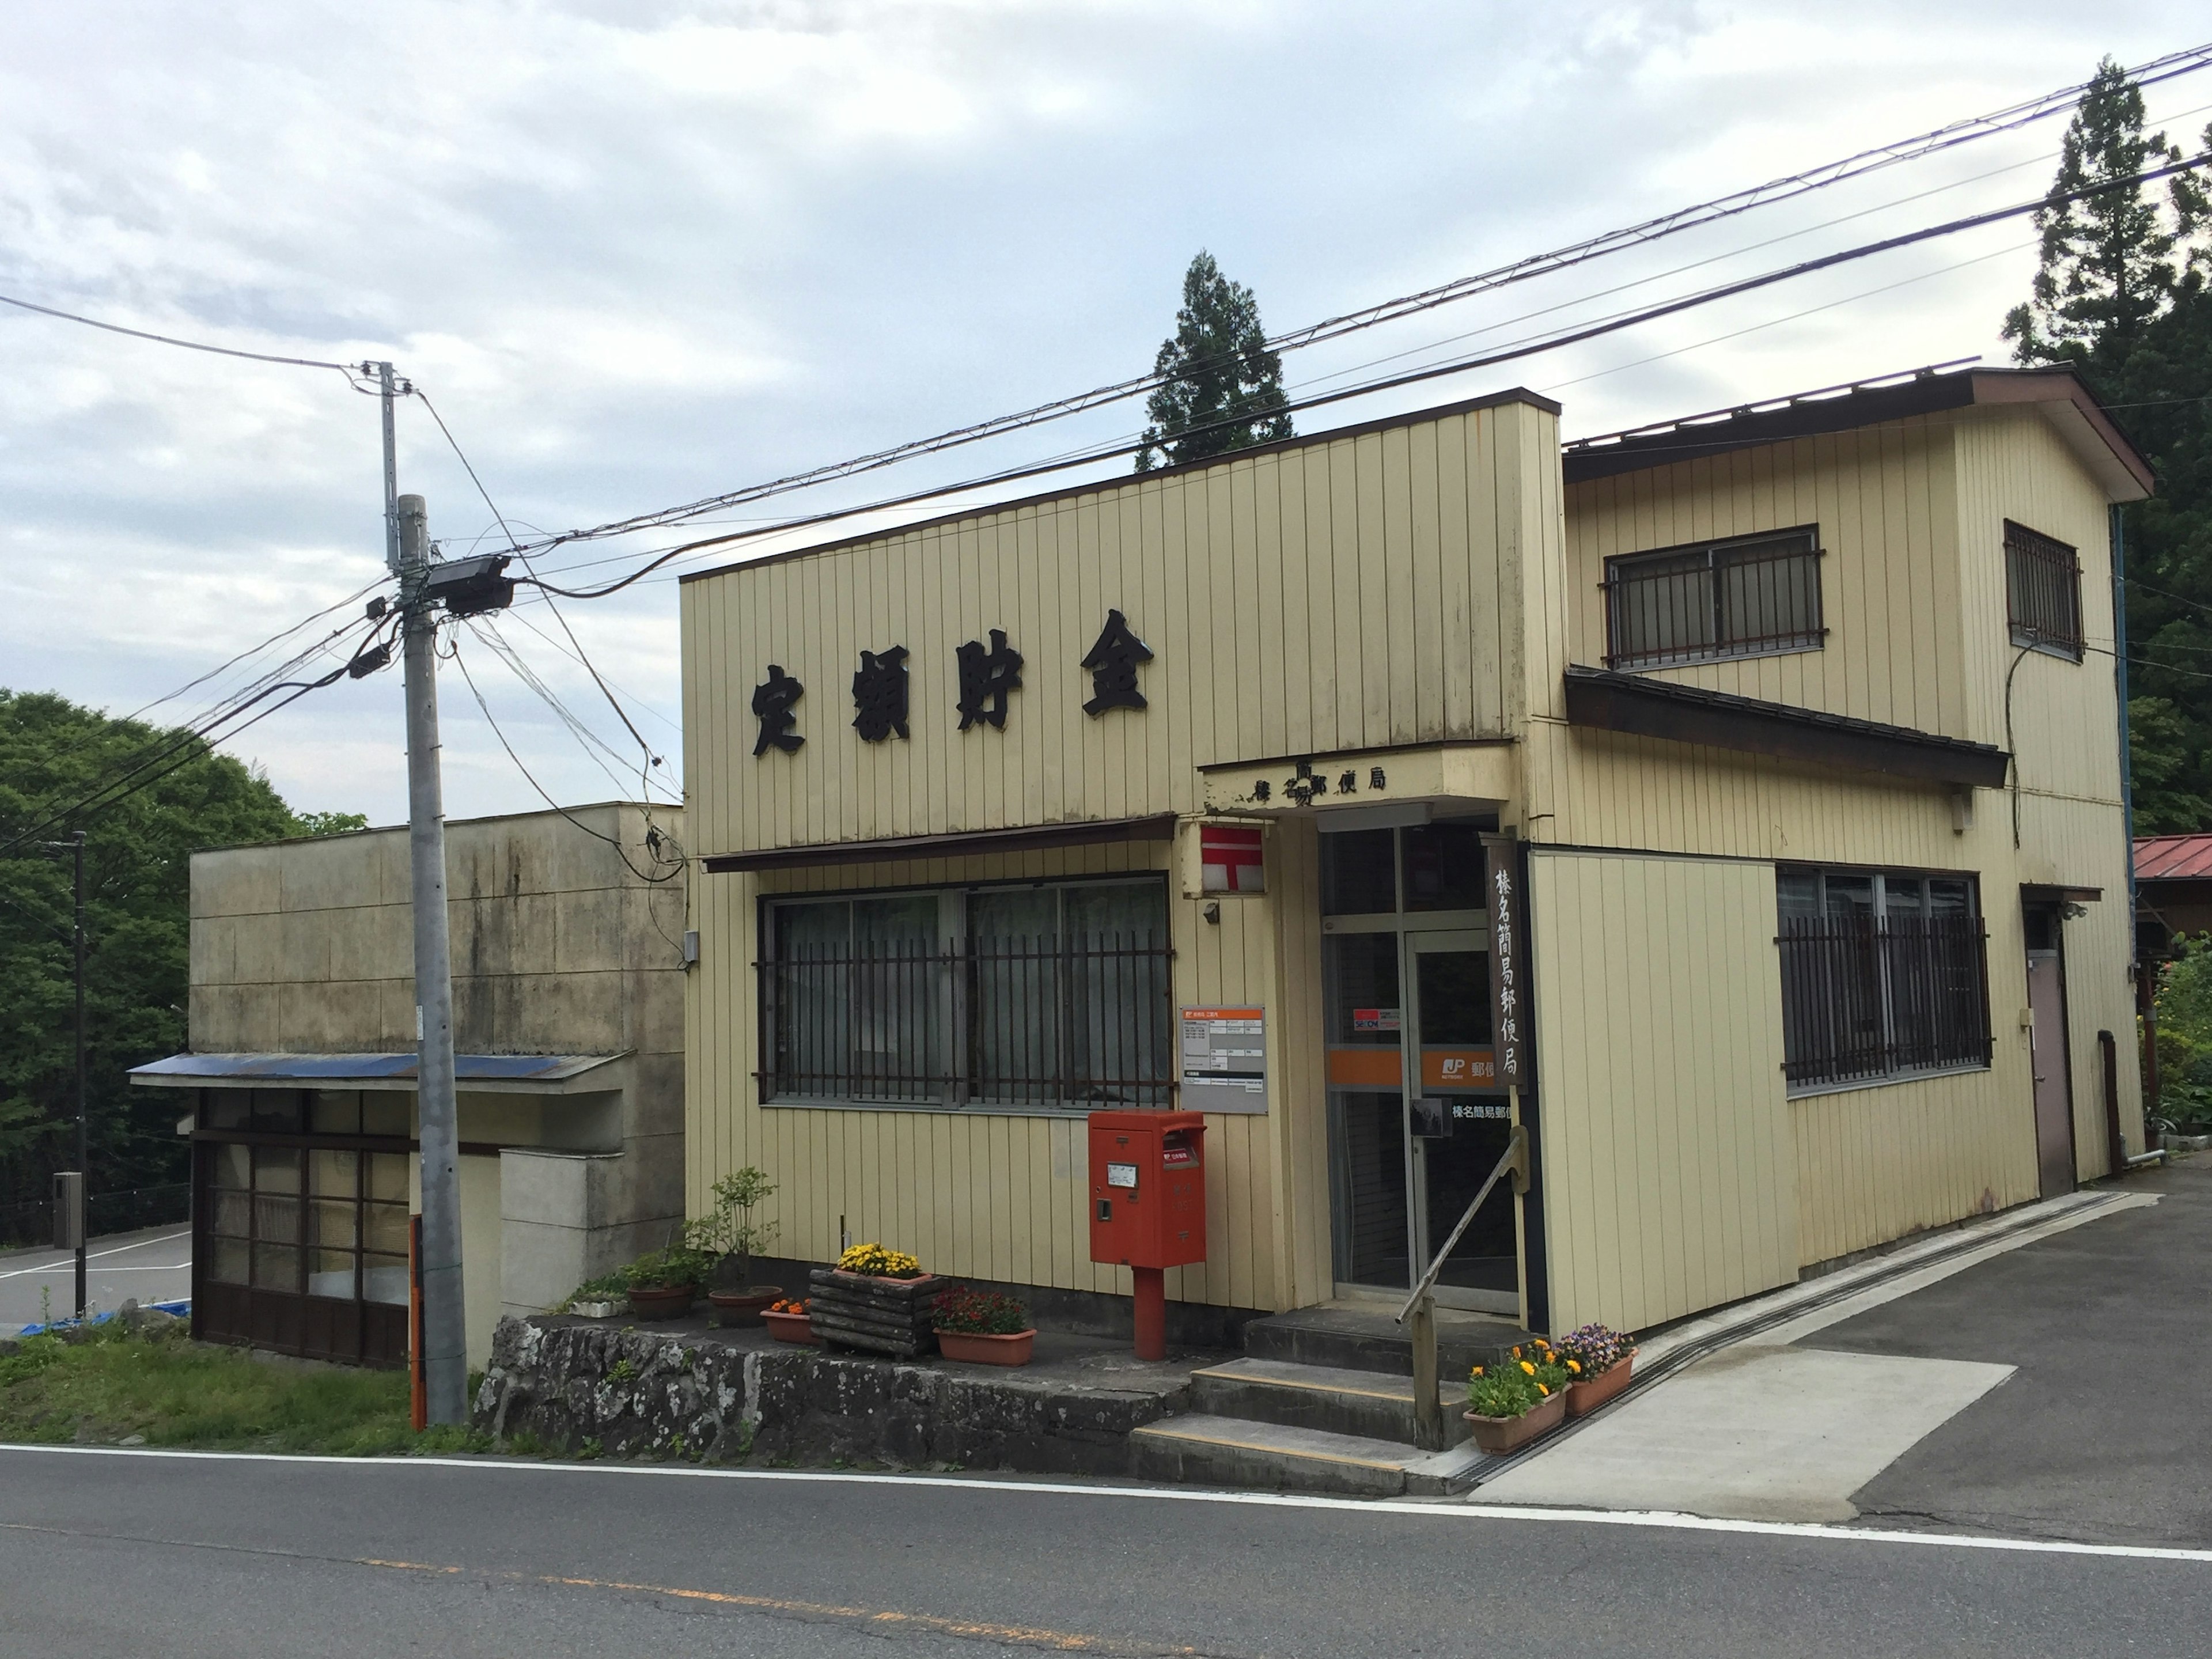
column 444, row 1339
column 444, row 1332
column 84, row 1134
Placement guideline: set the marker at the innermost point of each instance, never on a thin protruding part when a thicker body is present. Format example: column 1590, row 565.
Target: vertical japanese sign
column 1508, row 976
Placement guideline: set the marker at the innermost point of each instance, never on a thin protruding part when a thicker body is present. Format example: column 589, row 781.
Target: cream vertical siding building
column 1797, row 726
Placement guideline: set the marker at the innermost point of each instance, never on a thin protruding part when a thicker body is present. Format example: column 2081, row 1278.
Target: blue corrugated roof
column 344, row 1068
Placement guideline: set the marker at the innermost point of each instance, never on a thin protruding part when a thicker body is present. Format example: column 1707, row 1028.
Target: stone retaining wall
column 631, row 1391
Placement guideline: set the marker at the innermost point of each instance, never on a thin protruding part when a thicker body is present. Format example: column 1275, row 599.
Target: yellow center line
column 1010, row 1635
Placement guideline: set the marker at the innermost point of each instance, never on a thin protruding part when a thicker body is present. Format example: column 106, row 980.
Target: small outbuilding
column 299, row 1089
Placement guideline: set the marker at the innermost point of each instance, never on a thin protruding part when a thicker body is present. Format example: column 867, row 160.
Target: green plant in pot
column 730, row 1236
column 664, row 1284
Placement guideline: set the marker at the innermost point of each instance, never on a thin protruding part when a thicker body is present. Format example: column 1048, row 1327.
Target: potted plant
column 1511, row 1402
column 665, row 1283
column 1597, row 1360
column 729, row 1234
column 984, row 1327
column 599, row 1298
column 788, row 1321
column 875, row 1299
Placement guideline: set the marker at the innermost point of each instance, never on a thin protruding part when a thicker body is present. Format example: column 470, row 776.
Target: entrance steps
column 1324, row 1402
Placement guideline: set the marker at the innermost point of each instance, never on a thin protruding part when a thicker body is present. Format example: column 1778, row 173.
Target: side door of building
column 2049, row 1061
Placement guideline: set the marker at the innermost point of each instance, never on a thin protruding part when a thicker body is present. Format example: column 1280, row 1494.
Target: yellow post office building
column 1795, row 730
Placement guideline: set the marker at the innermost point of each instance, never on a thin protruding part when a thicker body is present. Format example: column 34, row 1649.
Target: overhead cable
column 1457, row 366
column 1704, row 213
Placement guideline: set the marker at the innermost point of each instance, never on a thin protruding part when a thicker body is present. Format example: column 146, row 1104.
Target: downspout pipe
column 2146, row 998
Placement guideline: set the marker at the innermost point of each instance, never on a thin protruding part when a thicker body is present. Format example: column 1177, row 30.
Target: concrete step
column 1372, row 1405
column 1362, row 1336
column 1200, row 1448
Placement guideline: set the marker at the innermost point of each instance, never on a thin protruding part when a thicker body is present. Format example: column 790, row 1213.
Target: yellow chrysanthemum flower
column 1528, row 1367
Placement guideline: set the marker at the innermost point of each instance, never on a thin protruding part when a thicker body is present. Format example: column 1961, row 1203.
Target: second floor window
column 1053, row 997
column 2042, row 590
column 1741, row 598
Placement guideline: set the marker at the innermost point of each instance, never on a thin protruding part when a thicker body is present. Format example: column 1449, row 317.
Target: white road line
column 70, row 1261
column 1661, row 1520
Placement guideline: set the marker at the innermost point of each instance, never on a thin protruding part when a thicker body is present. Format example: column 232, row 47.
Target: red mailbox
column 1148, row 1205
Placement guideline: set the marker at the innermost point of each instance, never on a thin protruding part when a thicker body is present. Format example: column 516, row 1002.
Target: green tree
column 1221, row 377
column 2107, row 268
column 2121, row 295
column 138, row 871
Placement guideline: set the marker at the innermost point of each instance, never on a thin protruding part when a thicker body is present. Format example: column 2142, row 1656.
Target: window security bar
column 2042, row 590
column 1665, row 609
column 1867, row 997
column 1051, row 1021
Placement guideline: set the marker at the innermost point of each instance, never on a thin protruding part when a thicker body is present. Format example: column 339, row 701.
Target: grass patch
column 112, row 1384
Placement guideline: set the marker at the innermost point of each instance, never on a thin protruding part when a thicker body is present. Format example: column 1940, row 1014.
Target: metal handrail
column 1515, row 1158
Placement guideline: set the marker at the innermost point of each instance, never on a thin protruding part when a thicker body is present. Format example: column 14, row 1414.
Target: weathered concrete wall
column 633, row 1392
column 558, row 947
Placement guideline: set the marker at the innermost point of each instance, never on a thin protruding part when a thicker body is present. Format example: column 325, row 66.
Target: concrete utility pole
column 444, row 1332
column 84, row 1134
column 444, row 1340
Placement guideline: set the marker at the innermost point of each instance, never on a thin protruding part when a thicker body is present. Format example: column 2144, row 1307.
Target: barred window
column 1883, row 975
column 1051, row 997
column 2043, row 591
column 1749, row 597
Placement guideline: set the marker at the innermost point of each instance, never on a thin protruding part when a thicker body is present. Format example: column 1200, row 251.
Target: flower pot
column 874, row 1315
column 1496, row 1434
column 790, row 1328
column 982, row 1348
column 662, row 1301
column 1588, row 1394
column 743, row 1307
column 604, row 1307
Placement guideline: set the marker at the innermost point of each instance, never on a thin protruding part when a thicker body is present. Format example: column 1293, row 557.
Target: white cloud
column 642, row 253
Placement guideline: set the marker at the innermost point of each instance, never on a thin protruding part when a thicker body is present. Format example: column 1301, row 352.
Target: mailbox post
column 1148, row 1205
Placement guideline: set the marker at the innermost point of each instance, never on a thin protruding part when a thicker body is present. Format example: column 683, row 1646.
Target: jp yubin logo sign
column 988, row 674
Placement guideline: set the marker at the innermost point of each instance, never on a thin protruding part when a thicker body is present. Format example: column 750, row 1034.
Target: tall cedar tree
column 2122, row 295
column 1222, row 376
column 138, row 871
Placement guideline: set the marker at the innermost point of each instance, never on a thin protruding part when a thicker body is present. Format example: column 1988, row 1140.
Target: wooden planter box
column 1587, row 1395
column 876, row 1315
column 1497, row 1435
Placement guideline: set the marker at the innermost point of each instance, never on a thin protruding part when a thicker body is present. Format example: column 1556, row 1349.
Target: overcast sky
column 638, row 254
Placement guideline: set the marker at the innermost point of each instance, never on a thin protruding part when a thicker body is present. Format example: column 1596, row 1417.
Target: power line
column 1779, row 189
column 589, row 739
column 1457, row 366
column 346, row 369
column 621, row 852
column 583, row 657
column 253, row 651
column 191, row 743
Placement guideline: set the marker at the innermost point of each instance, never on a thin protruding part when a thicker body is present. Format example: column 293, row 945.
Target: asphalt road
column 2101, row 1433
column 152, row 1266
column 116, row 1554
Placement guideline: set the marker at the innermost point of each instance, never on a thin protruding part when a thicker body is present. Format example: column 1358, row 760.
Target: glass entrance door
column 1459, row 1123
column 1416, row 1122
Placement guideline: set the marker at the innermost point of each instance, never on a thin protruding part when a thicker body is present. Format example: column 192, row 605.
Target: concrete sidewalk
column 2051, row 1384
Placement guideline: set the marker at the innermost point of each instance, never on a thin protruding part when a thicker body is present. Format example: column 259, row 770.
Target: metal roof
column 360, row 1068
column 2173, row 858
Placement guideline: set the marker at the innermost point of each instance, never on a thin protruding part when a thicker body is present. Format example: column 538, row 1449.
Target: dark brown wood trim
column 1633, row 703
column 960, row 844
column 1701, row 436
column 2045, row 893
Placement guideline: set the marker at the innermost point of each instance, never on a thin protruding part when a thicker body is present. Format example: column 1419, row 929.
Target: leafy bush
column 978, row 1313
column 679, row 1264
column 729, row 1228
column 2184, row 1032
column 878, row 1262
